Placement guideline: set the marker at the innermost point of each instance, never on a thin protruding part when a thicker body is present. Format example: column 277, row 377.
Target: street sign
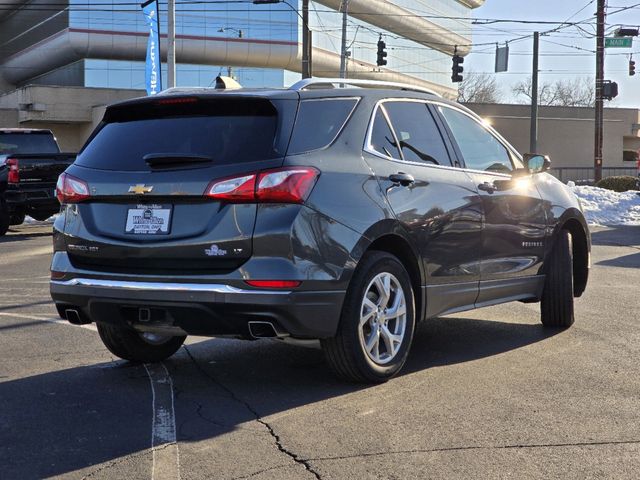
column 502, row 59
column 618, row 42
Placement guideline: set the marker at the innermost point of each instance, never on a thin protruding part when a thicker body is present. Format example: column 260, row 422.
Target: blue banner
column 153, row 69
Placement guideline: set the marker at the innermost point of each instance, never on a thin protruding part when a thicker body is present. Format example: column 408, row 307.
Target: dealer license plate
column 148, row 219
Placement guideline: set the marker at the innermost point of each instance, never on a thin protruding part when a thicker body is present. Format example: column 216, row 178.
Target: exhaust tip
column 75, row 317
column 259, row 329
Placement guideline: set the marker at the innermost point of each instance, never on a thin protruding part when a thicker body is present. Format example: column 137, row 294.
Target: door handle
column 402, row 178
column 487, row 187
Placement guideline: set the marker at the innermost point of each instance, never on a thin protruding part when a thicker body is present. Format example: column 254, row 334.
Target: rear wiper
column 160, row 159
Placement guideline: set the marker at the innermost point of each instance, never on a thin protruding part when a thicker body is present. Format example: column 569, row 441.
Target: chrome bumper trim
column 166, row 287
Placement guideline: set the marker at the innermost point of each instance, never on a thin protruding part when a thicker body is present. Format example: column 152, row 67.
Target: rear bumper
column 40, row 198
column 200, row 308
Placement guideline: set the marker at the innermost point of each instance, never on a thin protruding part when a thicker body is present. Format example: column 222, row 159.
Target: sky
column 562, row 54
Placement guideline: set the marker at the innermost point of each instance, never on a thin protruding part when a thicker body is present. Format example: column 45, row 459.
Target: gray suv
column 344, row 211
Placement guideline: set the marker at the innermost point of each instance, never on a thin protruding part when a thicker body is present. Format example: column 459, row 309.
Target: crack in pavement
column 476, row 447
column 294, row 456
column 444, row 449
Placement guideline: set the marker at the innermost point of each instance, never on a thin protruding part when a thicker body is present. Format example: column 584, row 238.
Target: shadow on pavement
column 63, row 421
column 22, row 234
column 626, row 261
column 615, row 236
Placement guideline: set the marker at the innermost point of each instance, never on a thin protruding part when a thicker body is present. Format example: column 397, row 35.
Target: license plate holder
column 149, row 219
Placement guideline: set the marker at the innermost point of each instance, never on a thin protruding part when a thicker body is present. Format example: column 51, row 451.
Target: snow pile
column 605, row 207
column 31, row 221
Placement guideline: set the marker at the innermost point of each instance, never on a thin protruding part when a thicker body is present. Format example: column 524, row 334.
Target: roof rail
column 318, row 83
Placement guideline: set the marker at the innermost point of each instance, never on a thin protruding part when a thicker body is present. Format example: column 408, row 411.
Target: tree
column 479, row 88
column 579, row 92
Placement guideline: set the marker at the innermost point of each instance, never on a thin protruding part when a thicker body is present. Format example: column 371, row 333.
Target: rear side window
column 226, row 132
column 319, row 122
column 417, row 132
column 480, row 149
column 27, row 143
column 382, row 140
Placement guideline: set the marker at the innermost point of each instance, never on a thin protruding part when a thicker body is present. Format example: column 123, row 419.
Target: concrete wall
column 566, row 134
column 71, row 113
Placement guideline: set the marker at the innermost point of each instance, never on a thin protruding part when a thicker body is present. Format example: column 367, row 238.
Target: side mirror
column 535, row 163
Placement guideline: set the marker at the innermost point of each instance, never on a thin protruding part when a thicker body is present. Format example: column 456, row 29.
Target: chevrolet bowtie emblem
column 140, row 189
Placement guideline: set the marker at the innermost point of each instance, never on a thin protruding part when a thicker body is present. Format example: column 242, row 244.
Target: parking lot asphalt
column 485, row 394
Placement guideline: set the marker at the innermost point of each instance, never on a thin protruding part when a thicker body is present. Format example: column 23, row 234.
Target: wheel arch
column 399, row 247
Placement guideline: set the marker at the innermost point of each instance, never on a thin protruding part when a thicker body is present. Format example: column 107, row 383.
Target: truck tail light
column 70, row 189
column 13, row 175
column 279, row 185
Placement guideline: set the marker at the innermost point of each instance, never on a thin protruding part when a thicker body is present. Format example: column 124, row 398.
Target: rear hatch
column 146, row 170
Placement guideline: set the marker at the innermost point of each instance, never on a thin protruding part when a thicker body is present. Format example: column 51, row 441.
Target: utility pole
column 306, row 36
column 171, row 43
column 343, row 50
column 533, row 137
column 597, row 157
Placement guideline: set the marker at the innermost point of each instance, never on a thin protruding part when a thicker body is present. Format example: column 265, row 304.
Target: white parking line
column 166, row 454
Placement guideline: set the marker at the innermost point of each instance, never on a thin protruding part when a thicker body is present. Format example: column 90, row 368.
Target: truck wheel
column 5, row 221
column 17, row 219
column 135, row 346
column 557, row 297
column 377, row 322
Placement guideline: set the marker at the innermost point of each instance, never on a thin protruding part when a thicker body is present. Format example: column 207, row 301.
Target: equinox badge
column 140, row 189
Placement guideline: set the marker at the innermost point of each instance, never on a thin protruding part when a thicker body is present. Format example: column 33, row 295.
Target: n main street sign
column 618, row 42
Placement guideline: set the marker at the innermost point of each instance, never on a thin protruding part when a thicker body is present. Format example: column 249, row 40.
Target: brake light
column 70, row 189
column 175, row 101
column 286, row 185
column 13, row 175
column 280, row 185
column 273, row 283
column 235, row 189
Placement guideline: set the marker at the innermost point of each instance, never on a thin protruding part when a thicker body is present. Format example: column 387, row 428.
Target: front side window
column 480, row 149
column 382, row 140
column 417, row 133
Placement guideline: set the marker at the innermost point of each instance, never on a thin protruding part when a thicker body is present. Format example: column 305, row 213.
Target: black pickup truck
column 30, row 163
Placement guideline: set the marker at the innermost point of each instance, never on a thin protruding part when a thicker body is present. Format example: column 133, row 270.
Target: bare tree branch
column 578, row 92
column 479, row 88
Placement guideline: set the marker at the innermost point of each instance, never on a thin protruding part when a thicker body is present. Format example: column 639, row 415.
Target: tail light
column 70, row 189
column 14, row 170
column 280, row 185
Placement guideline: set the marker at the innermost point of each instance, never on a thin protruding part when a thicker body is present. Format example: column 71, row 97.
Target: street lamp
column 240, row 34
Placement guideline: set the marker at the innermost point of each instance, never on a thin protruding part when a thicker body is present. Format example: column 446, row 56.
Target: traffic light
column 632, row 68
column 381, row 61
column 457, row 69
column 609, row 90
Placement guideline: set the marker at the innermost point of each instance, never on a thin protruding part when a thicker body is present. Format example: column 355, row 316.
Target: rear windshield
column 27, row 143
column 226, row 132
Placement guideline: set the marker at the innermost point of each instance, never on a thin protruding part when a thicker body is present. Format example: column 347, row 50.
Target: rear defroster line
column 164, row 445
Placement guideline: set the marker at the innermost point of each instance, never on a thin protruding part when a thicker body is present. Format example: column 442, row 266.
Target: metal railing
column 585, row 175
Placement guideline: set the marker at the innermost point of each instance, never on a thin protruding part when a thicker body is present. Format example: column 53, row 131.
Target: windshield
column 27, row 143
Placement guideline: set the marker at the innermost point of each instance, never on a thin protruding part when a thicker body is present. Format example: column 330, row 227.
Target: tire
column 17, row 219
column 347, row 352
column 557, row 297
column 131, row 345
column 5, row 221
